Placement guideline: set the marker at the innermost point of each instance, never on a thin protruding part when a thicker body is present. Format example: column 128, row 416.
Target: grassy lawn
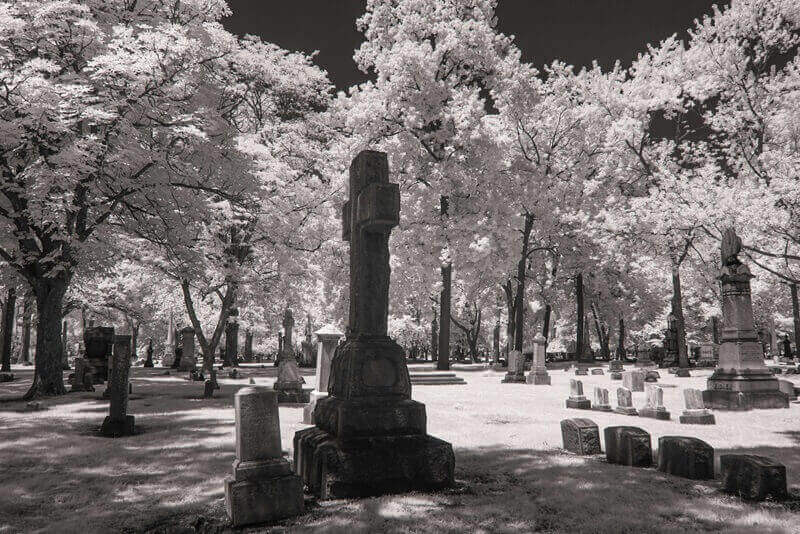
column 59, row 475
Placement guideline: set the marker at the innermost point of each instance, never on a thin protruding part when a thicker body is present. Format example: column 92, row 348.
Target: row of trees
column 154, row 164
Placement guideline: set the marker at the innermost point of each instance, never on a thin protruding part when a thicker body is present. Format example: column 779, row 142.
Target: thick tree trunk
column 579, row 321
column 64, row 360
column 443, row 361
column 796, row 317
column 511, row 317
column 209, row 346
column 677, row 310
column 48, row 370
column 8, row 329
column 602, row 334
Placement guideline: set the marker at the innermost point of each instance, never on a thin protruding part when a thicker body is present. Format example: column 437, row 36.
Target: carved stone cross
column 367, row 220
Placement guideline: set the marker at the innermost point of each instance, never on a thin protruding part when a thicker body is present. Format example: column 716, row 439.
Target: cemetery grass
column 59, row 475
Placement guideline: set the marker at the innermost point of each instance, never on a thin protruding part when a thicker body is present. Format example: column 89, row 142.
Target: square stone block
column 581, row 371
column 686, row 457
column 258, row 501
column 597, row 372
column 628, row 445
column 682, row 373
column 616, row 375
column 697, row 417
column 579, row 404
column 626, row 410
column 580, row 436
column 753, row 478
column 539, row 379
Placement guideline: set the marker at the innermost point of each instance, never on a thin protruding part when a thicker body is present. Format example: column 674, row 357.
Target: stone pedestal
column 370, row 438
column 741, row 381
column 695, row 412
column 615, row 366
column 516, row 368
column 580, row 436
column 119, row 423
column 538, row 375
column 188, row 359
column 289, row 384
column 686, row 457
column 263, row 487
column 327, row 340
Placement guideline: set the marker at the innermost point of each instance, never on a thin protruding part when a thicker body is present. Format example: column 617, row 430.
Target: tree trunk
column 511, row 317
column 443, row 362
column 8, row 329
column 621, row 352
column 677, row 310
column 602, row 334
column 546, row 325
column 579, row 334
column 519, row 298
column 25, row 349
column 48, row 370
column 434, row 339
column 796, row 317
column 64, row 360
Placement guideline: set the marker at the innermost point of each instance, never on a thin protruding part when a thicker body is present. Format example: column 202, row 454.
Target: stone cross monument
column 370, row 438
column 740, row 381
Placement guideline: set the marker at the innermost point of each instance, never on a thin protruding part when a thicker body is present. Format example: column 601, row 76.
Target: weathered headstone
column 695, row 412
column 600, row 400
column 289, row 384
column 516, row 368
column 628, row 445
column 581, row 370
column 169, row 346
column 248, row 345
column 327, row 339
column 263, row 487
column 651, row 376
column 119, row 423
column 370, row 437
column 654, row 406
column 307, row 345
column 633, row 380
column 615, row 366
column 597, row 371
column 576, row 398
column 188, row 360
column 682, row 372
column 741, row 366
column 538, row 375
column 686, row 457
column 625, row 402
column 580, row 436
column 753, row 478
column 98, row 342
column 82, row 381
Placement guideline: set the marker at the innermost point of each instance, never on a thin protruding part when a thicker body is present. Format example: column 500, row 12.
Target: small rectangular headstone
column 686, row 457
column 580, row 436
column 633, row 380
column 753, row 478
column 628, row 445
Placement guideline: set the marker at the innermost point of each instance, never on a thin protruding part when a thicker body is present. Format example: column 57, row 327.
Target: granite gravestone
column 625, row 402
column 149, row 361
column 119, row 423
column 600, row 400
column 98, row 342
column 633, row 380
column 263, row 487
column 695, row 412
column 740, row 381
column 654, row 406
column 580, row 436
column 188, row 361
column 576, row 398
column 370, row 438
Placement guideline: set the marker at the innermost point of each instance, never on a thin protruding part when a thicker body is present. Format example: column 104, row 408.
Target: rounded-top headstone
column 258, row 429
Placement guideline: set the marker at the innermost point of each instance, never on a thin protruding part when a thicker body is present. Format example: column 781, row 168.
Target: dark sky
column 575, row 31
